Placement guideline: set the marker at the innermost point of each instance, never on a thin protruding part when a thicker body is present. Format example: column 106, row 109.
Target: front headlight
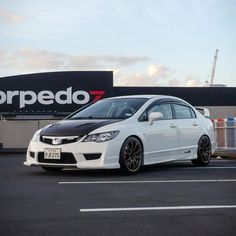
column 101, row 137
column 36, row 136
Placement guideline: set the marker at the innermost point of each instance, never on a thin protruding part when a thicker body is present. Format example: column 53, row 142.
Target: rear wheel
column 131, row 156
column 52, row 169
column 203, row 152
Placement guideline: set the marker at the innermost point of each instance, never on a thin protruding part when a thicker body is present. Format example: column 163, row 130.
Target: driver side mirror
column 153, row 116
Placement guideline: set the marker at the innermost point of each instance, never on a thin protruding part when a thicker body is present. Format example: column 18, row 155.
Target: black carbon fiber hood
column 74, row 127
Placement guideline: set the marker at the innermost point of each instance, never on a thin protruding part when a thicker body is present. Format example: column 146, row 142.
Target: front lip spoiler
column 49, row 165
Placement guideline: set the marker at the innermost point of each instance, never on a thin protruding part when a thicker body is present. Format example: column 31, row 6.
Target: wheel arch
column 203, row 154
column 206, row 135
column 139, row 139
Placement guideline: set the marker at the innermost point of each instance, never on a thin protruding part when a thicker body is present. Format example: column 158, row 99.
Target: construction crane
column 214, row 67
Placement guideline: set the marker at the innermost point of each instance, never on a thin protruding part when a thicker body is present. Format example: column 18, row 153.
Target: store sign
column 47, row 97
column 53, row 92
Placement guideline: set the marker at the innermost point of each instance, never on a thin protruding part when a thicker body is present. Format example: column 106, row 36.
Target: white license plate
column 52, row 153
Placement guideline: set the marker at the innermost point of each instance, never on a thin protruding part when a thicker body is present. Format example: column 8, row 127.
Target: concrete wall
column 17, row 134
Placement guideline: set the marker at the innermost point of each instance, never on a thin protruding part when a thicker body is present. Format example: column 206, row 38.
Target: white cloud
column 28, row 60
column 124, row 60
column 157, row 75
column 192, row 81
column 157, row 71
column 34, row 60
column 136, row 79
column 10, row 17
column 82, row 62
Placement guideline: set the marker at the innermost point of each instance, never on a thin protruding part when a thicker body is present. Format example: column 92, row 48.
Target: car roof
column 146, row 96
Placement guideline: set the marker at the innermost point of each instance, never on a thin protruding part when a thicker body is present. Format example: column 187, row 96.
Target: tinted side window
column 182, row 112
column 165, row 109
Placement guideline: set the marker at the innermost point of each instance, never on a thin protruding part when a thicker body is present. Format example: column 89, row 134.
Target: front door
column 162, row 137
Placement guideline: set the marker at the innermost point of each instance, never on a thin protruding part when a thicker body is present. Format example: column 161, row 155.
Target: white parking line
column 205, row 167
column 150, row 181
column 184, row 168
column 159, row 208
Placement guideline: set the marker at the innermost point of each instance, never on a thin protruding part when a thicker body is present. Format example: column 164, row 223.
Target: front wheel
column 203, row 152
column 131, row 156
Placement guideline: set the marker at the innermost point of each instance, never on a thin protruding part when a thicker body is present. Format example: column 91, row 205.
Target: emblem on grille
column 56, row 141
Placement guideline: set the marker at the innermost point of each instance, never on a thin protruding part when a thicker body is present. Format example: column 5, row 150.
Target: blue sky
column 145, row 42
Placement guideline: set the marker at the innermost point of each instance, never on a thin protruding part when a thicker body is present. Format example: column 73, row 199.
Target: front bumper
column 106, row 155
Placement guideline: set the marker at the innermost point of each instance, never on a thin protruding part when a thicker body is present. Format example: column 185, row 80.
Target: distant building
column 207, row 84
column 218, row 85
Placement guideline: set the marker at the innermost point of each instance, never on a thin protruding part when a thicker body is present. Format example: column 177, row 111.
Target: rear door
column 189, row 129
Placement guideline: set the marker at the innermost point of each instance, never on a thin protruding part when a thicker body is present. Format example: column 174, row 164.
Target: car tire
column 52, row 169
column 203, row 152
column 131, row 156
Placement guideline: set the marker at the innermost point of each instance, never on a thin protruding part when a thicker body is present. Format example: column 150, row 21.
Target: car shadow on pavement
column 145, row 171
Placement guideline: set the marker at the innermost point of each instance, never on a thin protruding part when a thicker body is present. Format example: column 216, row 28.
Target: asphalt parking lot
column 167, row 199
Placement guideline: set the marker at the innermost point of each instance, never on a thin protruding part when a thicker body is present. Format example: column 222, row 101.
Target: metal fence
column 225, row 130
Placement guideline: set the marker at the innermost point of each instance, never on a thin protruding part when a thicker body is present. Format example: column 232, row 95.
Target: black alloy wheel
column 131, row 155
column 203, row 152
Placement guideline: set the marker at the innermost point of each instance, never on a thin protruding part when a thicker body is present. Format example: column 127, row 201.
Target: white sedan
column 124, row 132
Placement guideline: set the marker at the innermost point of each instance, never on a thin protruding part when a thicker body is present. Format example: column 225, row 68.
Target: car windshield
column 117, row 108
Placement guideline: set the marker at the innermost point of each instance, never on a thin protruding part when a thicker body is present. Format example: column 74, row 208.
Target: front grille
column 66, row 158
column 58, row 141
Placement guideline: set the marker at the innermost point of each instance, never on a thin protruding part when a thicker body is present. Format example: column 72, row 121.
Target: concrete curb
column 229, row 153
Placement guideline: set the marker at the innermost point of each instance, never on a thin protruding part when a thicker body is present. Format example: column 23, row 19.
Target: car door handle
column 195, row 124
column 172, row 125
